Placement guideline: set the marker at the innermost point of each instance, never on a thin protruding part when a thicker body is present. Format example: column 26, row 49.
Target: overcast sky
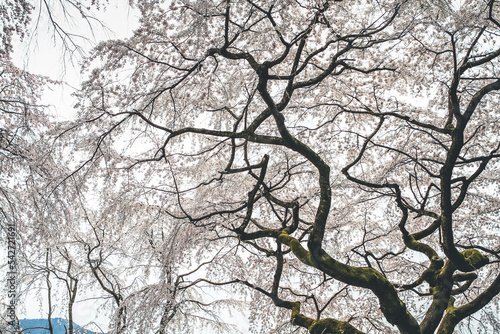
column 43, row 53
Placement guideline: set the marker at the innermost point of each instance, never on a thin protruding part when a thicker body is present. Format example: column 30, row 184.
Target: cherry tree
column 335, row 160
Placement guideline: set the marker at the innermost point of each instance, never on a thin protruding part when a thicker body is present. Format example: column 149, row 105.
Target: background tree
column 21, row 162
column 332, row 155
column 140, row 261
column 33, row 196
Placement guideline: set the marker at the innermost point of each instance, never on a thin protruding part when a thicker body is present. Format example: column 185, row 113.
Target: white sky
column 42, row 52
